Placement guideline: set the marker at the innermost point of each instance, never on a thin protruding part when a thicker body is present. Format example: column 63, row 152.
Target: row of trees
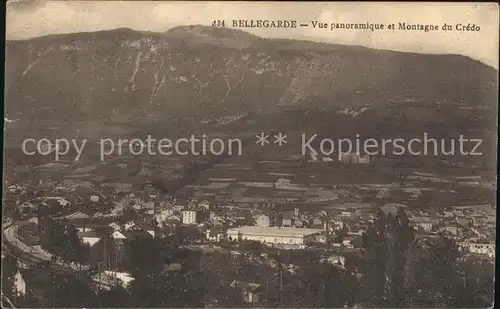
column 400, row 270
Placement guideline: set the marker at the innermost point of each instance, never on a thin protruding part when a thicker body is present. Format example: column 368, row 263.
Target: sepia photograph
column 237, row 154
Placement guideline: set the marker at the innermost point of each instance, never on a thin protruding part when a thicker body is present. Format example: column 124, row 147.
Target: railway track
column 28, row 254
column 35, row 256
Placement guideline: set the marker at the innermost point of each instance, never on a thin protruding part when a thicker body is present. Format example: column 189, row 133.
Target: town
column 248, row 213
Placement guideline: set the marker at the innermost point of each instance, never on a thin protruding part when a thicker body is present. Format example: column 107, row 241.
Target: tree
column 145, row 265
column 54, row 238
column 116, row 297
column 218, row 271
column 9, row 271
column 129, row 214
column 144, row 257
column 334, row 290
column 249, row 220
column 374, row 260
column 386, row 245
column 251, row 245
column 62, row 240
column 156, row 287
column 352, row 275
column 188, row 234
column 400, row 237
column 77, row 250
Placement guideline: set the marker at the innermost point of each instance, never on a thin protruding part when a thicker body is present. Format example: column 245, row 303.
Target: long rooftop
column 274, row 231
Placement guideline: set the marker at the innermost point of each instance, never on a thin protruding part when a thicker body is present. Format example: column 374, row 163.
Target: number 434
column 219, row 23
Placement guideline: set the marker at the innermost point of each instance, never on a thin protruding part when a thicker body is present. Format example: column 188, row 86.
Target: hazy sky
column 27, row 19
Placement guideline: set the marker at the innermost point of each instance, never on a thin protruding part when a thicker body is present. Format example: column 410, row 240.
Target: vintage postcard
column 249, row 154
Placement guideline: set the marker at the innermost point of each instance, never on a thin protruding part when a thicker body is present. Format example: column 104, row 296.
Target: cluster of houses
column 345, row 158
column 27, row 200
column 467, row 224
column 105, row 231
column 344, row 227
column 473, row 227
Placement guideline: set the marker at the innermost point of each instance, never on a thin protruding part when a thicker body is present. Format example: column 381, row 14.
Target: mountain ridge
column 128, row 76
column 126, row 30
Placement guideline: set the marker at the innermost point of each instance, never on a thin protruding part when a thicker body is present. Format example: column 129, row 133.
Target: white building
column 189, row 217
column 274, row 235
column 114, row 226
column 335, row 260
column 91, row 238
column 347, row 243
column 451, row 229
column 33, row 220
column 128, row 225
column 346, row 214
column 263, row 221
column 62, row 201
column 20, row 284
column 336, row 224
column 178, row 207
column 425, row 225
column 481, row 249
column 204, row 204
column 163, row 216
column 118, row 235
column 112, row 278
column 355, row 158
